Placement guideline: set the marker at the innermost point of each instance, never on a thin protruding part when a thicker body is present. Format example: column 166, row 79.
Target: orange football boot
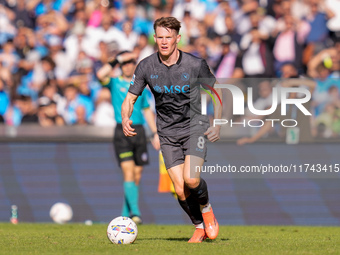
column 198, row 236
column 210, row 224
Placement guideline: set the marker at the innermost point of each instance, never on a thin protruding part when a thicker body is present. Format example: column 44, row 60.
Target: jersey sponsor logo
column 173, row 89
column 154, row 76
column 185, row 76
column 177, row 89
column 123, row 90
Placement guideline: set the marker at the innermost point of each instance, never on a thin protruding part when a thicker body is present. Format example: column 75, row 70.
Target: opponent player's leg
column 130, row 189
column 125, row 156
column 188, row 203
column 199, row 190
column 136, row 215
column 137, row 174
column 141, row 158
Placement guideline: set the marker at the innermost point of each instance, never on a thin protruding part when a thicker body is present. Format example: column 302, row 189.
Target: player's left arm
column 213, row 133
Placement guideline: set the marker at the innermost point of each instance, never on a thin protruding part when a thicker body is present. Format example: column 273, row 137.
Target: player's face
column 166, row 40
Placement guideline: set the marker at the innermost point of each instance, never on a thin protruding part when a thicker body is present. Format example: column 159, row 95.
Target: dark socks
column 200, row 193
column 192, row 208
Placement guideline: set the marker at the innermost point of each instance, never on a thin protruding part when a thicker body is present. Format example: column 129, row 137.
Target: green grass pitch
column 42, row 239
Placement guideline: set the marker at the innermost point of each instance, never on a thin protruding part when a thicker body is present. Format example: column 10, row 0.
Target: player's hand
column 155, row 142
column 244, row 140
column 127, row 129
column 213, row 133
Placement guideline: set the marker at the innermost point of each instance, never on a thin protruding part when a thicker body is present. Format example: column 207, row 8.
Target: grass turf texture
column 27, row 238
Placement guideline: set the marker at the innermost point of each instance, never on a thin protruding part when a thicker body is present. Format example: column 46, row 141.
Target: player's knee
column 180, row 192
column 191, row 182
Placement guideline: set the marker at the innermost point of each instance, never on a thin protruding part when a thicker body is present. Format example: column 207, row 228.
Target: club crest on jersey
column 158, row 89
column 185, row 76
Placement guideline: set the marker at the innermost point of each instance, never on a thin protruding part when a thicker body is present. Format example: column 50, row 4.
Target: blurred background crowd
column 51, row 49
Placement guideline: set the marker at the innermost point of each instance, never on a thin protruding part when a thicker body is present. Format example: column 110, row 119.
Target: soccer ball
column 122, row 230
column 61, row 213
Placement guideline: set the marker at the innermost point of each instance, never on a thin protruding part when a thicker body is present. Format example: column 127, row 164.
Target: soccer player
column 131, row 152
column 169, row 73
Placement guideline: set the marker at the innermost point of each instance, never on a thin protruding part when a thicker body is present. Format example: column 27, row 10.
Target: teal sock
column 125, row 209
column 131, row 194
column 137, row 195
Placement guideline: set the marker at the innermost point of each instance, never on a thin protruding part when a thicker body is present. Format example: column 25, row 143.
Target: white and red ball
column 122, row 230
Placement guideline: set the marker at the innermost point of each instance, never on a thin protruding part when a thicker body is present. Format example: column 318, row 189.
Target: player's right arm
column 127, row 108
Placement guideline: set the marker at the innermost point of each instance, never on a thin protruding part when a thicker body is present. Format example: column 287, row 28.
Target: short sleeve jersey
column 119, row 88
column 175, row 88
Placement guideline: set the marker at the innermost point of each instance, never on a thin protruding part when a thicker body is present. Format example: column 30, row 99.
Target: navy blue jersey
column 175, row 88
